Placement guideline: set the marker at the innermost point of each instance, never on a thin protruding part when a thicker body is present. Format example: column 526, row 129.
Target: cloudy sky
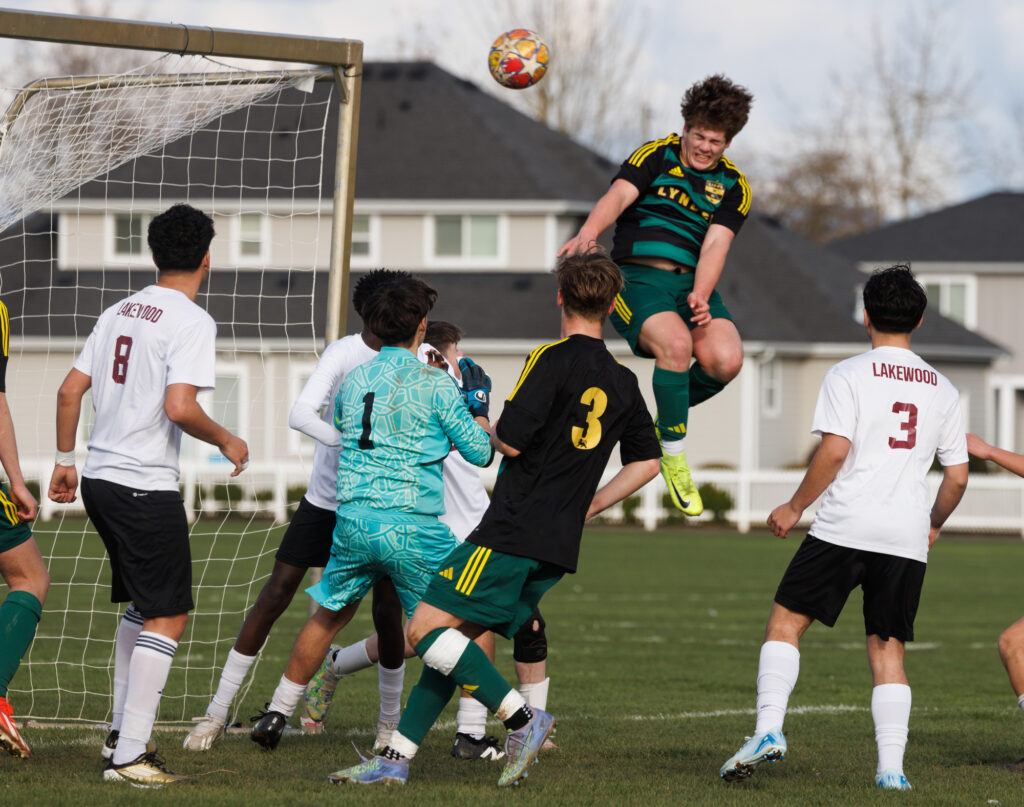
column 788, row 52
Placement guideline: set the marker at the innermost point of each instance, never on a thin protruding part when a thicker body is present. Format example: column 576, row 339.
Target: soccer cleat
column 10, row 739
column 268, row 729
column 319, row 692
column 373, row 771
column 146, row 770
column 205, row 734
column 110, row 745
column 468, row 747
column 1014, row 766
column 681, row 489
column 523, row 745
column 769, row 746
column 892, row 780
column 385, row 728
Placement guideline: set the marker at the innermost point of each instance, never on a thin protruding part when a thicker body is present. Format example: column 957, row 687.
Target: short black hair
column 894, row 300
column 370, row 283
column 179, row 238
column 394, row 313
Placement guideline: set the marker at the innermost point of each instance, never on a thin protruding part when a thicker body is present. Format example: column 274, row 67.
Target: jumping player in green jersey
column 573, row 403
column 677, row 203
column 21, row 565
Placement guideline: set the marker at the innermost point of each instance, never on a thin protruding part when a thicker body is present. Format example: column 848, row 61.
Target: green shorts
column 13, row 531
column 650, row 291
column 366, row 549
column 489, row 588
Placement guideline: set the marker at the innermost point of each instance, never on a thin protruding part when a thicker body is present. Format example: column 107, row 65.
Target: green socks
column 672, row 399
column 19, row 616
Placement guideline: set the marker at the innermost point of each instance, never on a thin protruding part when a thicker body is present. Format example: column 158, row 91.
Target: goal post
column 85, row 162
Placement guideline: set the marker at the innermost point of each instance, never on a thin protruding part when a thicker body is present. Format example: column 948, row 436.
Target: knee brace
column 530, row 644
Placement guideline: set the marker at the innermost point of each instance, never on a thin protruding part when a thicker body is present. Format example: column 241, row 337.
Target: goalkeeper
column 677, row 203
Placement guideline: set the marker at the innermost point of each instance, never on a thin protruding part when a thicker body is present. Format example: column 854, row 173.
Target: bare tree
column 591, row 92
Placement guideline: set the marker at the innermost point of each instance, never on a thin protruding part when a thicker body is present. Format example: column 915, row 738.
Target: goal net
column 85, row 163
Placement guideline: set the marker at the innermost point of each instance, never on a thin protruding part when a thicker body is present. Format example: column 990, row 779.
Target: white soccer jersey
column 138, row 347
column 898, row 414
column 313, row 414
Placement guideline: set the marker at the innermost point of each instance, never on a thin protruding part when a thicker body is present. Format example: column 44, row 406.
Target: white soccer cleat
column 385, row 728
column 205, row 734
column 768, row 746
column 892, row 780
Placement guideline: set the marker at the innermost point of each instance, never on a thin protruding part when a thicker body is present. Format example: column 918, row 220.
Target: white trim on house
column 372, row 258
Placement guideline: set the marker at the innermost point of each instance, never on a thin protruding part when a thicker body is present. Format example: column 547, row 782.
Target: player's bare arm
column 630, row 478
column 25, row 501
column 64, row 480
column 951, row 490
column 184, row 411
column 1012, row 462
column 710, row 264
column 609, row 207
column 825, row 464
column 502, row 447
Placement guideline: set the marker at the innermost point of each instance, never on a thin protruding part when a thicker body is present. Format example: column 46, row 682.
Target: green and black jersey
column 572, row 404
column 676, row 204
column 5, row 338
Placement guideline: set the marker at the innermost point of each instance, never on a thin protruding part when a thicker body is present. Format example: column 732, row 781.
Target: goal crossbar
column 74, row 29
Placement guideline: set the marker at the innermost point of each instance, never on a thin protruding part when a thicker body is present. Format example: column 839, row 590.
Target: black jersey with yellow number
column 572, row 404
column 5, row 335
column 676, row 204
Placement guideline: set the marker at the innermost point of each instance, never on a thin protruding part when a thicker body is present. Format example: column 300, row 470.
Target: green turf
column 654, row 647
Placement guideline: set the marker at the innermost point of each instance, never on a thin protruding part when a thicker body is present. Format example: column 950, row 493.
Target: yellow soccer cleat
column 680, row 484
column 146, row 770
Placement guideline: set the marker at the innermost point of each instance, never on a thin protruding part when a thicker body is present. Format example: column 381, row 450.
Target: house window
column 130, row 234
column 361, row 241
column 227, row 404
column 771, row 388
column 250, row 242
column 466, row 237
column 954, row 297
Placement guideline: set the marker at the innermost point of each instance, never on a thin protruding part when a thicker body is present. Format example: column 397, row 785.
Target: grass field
column 654, row 647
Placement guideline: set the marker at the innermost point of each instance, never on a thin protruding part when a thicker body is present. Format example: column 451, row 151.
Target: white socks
column 472, row 718
column 890, row 709
column 536, row 694
column 351, row 659
column 286, row 697
column 777, row 672
column 127, row 633
column 389, row 683
column 147, row 674
column 1020, row 702
column 673, row 447
column 235, row 669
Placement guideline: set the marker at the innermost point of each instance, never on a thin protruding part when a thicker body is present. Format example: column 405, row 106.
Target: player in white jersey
column 1011, row 641
column 883, row 416
column 465, row 500
column 307, row 542
column 146, row 360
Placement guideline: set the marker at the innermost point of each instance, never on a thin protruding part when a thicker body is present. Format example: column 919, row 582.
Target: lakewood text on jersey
column 900, row 372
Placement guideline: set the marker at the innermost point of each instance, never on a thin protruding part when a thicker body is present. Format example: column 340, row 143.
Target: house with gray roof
column 970, row 257
column 463, row 190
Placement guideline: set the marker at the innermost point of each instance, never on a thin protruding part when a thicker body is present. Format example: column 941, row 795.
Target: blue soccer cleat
column 892, row 780
column 769, row 746
column 523, row 745
column 373, row 771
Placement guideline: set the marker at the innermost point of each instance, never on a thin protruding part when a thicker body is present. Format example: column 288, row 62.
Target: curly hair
column 717, row 103
column 179, row 238
column 894, row 299
column 370, row 283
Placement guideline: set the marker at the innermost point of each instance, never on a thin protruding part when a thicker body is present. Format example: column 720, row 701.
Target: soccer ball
column 518, row 59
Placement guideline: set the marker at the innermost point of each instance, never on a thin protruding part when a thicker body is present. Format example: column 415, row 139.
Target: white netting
column 84, row 164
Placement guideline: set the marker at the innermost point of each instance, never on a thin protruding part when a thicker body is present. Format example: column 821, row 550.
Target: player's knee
column 1011, row 641
column 530, row 643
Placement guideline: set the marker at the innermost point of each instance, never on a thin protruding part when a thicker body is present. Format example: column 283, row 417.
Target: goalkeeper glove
column 476, row 388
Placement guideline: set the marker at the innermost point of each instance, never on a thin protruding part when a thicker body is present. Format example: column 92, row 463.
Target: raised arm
column 184, row 411
column 825, row 464
column 1012, row 462
column 609, row 207
column 630, row 478
column 305, row 412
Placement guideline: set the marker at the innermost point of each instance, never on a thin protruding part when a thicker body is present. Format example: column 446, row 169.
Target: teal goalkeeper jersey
column 398, row 419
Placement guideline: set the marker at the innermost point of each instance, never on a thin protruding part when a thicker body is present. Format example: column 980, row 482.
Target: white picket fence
column 993, row 502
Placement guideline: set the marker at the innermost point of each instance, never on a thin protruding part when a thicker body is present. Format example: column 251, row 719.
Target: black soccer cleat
column 268, row 729
column 466, row 747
